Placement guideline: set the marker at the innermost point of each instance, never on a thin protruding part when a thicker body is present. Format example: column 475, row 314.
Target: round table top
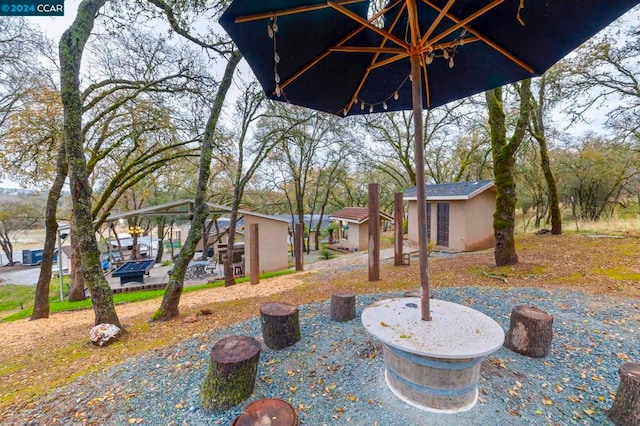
column 454, row 332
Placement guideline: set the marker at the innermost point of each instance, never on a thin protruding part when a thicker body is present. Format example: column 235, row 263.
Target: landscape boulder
column 104, row 334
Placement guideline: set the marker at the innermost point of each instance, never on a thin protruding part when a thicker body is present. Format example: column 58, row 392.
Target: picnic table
column 200, row 269
column 133, row 271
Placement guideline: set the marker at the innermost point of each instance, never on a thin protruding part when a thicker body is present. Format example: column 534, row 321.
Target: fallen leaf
column 547, row 401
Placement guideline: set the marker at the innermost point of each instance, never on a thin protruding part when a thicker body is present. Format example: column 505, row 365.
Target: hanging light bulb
column 277, row 78
column 371, row 108
column 429, row 59
column 269, row 31
column 445, row 53
column 395, row 95
column 362, row 106
column 275, row 25
column 384, row 105
column 344, row 112
column 355, row 101
column 278, row 90
column 461, row 42
column 276, row 57
column 410, row 77
column 451, row 62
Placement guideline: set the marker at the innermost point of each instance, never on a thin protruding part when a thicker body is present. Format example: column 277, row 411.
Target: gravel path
column 334, row 375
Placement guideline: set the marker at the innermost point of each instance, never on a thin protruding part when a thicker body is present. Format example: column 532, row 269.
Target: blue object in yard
column 32, row 257
column 133, row 271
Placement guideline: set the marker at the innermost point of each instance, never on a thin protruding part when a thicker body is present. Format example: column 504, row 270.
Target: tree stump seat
column 343, row 306
column 232, row 373
column 280, row 325
column 626, row 407
column 267, row 411
column 530, row 332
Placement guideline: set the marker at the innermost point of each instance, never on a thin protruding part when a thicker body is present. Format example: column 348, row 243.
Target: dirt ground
column 37, row 356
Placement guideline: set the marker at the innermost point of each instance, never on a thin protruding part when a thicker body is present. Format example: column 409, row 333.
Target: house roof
column 451, row 191
column 357, row 215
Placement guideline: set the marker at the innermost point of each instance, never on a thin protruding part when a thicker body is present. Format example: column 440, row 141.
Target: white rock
column 104, row 334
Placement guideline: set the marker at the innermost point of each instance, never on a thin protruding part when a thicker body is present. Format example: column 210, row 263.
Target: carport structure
column 272, row 241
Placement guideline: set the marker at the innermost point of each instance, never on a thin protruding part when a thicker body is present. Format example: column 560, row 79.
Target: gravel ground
column 334, row 375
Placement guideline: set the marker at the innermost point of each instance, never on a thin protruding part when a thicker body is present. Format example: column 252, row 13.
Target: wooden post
column 272, row 411
column 626, row 407
column 530, row 332
column 398, row 217
column 343, row 306
column 299, row 246
column 232, row 373
column 374, row 232
column 280, row 325
column 254, row 261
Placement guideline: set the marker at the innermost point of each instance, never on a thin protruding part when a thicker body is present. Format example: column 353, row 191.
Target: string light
column 371, row 108
column 362, row 106
column 451, row 62
column 396, row 95
column 429, row 59
column 385, row 106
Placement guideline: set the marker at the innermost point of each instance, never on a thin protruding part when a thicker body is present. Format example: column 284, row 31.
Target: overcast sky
column 53, row 27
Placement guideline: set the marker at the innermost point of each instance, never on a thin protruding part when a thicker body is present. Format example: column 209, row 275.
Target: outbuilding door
column 429, row 221
column 443, row 225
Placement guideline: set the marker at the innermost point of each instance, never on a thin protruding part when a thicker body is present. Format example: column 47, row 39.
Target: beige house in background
column 459, row 215
column 354, row 225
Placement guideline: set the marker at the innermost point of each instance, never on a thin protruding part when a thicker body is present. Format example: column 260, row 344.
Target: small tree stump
column 267, row 411
column 343, row 306
column 280, row 325
column 530, row 332
column 232, row 373
column 626, row 408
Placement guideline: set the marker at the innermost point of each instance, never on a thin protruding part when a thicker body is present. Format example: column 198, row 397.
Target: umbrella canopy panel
column 331, row 57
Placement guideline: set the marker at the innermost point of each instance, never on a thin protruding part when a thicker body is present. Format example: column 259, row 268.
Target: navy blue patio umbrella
column 338, row 57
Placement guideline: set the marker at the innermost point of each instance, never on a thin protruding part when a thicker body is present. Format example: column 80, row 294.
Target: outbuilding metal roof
column 356, row 214
column 451, row 191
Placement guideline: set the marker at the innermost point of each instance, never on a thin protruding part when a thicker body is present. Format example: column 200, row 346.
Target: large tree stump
column 280, row 325
column 530, row 332
column 232, row 373
column 343, row 306
column 626, row 408
column 267, row 411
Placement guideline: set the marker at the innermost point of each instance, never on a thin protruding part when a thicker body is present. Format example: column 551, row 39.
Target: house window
column 443, row 225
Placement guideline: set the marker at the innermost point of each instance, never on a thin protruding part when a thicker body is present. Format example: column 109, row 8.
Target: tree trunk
column 503, row 163
column 626, row 407
column 160, row 252
column 232, row 373
column 537, row 118
column 229, row 278
column 343, row 306
column 280, row 325
column 76, row 288
column 271, row 408
column 71, row 47
column 171, row 299
column 530, row 332
column 41, row 300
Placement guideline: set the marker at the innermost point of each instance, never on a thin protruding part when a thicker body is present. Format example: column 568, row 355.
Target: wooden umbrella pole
column 416, row 93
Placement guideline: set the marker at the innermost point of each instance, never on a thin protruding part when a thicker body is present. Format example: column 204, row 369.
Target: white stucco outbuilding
column 459, row 215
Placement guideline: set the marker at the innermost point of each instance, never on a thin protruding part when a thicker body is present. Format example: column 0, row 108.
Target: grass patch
column 119, row 298
column 619, row 274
